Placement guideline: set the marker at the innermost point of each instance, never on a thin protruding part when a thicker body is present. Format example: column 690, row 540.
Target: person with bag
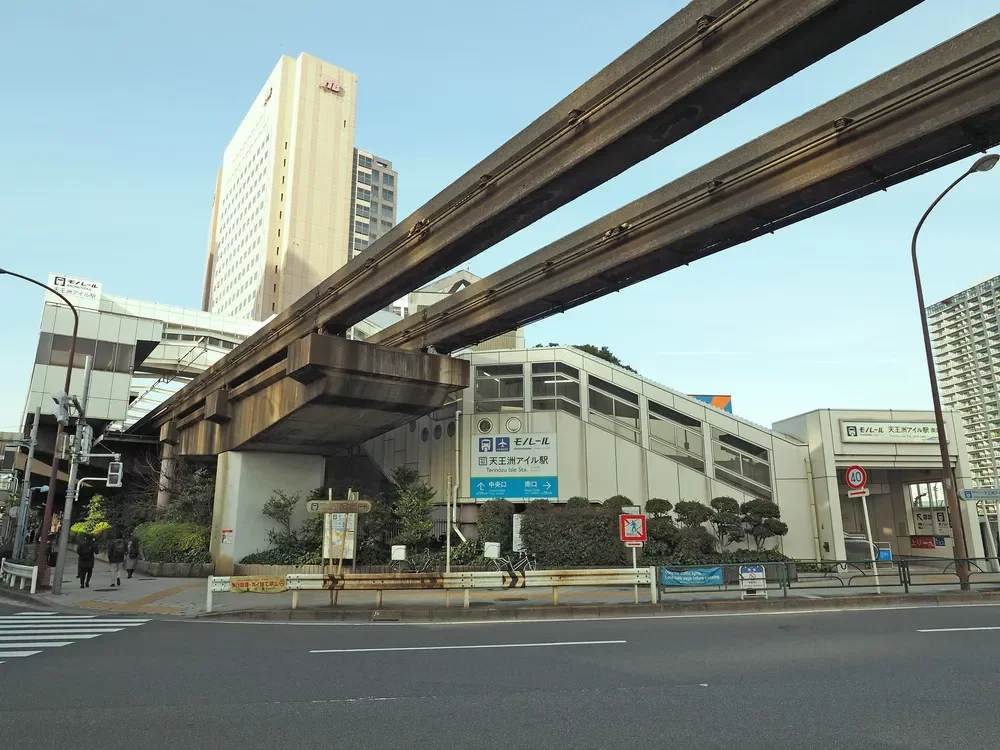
column 85, row 552
column 132, row 556
column 116, row 556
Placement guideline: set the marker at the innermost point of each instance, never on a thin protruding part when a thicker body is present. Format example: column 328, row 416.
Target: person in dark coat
column 132, row 556
column 116, row 556
column 85, row 552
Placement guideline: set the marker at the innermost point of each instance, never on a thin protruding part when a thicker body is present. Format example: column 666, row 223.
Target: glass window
column 741, row 463
column 44, row 349
column 551, row 390
column 375, row 192
column 611, row 411
column 123, row 358
column 361, row 227
column 613, row 389
column 375, row 175
column 386, row 225
column 387, row 210
column 388, row 195
column 926, row 495
column 364, row 194
column 59, row 356
column 364, row 161
column 499, row 388
column 105, row 357
column 364, row 178
column 388, row 180
column 362, row 211
column 739, row 443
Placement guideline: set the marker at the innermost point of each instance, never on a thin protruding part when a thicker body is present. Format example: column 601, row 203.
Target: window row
column 678, row 436
column 109, row 356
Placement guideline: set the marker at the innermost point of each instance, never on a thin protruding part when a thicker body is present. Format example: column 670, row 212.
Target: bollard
column 378, row 599
column 555, row 596
column 466, row 602
column 295, row 599
column 208, row 595
column 652, row 584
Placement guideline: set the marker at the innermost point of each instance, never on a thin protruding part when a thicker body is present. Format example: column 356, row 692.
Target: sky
column 115, row 116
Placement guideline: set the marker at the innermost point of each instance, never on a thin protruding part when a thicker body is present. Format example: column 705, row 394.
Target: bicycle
column 419, row 564
column 523, row 562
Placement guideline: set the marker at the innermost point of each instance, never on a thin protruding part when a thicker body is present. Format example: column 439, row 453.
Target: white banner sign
column 888, row 432
column 80, row 292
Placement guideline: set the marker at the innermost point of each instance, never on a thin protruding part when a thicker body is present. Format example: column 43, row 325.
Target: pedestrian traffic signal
column 116, row 469
column 62, row 407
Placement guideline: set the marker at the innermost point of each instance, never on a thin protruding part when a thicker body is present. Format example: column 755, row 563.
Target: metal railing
column 28, row 575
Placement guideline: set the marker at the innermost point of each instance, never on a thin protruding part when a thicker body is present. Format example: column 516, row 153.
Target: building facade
column 374, row 197
column 965, row 333
column 283, row 203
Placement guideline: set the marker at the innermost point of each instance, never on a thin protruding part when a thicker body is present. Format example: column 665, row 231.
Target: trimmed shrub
column 174, row 542
column 657, row 506
column 615, row 503
column 576, row 502
column 691, row 513
column 496, row 524
column 586, row 537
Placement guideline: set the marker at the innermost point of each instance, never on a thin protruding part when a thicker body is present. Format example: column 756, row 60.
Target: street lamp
column 982, row 164
column 50, row 498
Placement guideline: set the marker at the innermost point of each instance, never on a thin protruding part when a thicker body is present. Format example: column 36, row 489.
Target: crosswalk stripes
column 28, row 633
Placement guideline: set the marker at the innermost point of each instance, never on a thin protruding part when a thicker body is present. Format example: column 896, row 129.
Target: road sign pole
column 634, row 566
column 26, row 494
column 871, row 544
column 991, row 544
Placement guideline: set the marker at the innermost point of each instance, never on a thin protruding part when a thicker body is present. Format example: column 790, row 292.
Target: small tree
column 576, row 503
column 761, row 519
column 615, row 503
column 414, row 501
column 726, row 521
column 657, row 507
column 279, row 508
column 691, row 513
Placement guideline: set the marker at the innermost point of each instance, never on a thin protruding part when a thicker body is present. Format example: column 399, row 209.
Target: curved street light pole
column 50, row 498
column 983, row 164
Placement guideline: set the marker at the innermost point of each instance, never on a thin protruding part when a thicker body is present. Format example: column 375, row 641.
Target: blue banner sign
column 517, row 488
column 690, row 576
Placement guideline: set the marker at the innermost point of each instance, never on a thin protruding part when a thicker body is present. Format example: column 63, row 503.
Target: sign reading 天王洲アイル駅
column 80, row 292
column 854, row 431
column 518, row 466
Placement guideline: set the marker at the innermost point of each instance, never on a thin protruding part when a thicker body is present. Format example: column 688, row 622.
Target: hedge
column 586, row 537
column 174, row 542
column 496, row 523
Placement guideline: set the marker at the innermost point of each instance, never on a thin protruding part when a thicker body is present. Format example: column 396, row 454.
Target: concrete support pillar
column 166, row 476
column 243, row 483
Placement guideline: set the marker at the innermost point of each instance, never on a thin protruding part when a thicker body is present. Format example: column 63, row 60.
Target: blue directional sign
column 515, row 467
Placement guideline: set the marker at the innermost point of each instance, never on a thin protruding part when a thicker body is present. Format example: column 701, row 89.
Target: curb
column 496, row 614
column 22, row 597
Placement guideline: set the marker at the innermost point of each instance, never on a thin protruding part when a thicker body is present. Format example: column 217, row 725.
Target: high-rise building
column 966, row 342
column 283, row 199
column 375, row 188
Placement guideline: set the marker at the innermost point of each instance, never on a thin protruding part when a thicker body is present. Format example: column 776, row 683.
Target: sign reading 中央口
column 853, row 431
column 80, row 292
column 519, row 467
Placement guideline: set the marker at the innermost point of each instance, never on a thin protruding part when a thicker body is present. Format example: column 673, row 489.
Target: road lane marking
column 45, row 636
column 58, row 631
column 16, row 654
column 62, row 620
column 955, row 630
column 32, row 614
column 39, row 644
column 456, row 648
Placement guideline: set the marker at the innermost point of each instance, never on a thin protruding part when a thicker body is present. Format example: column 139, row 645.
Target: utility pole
column 71, row 486
column 22, row 514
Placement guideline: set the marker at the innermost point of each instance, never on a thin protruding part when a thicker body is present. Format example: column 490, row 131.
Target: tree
column 761, row 519
column 691, row 513
column 414, row 501
column 726, row 521
column 615, row 503
column 657, row 507
column 576, row 503
column 496, row 523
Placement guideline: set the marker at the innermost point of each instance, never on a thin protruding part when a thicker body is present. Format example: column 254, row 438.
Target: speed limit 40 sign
column 856, row 477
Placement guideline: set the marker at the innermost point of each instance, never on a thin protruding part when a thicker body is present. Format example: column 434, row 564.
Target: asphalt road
column 866, row 679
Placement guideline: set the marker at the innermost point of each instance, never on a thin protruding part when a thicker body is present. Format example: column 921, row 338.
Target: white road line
column 33, row 614
column 16, row 654
column 62, row 620
column 46, row 636
column 42, row 615
column 450, row 648
column 64, row 632
column 89, row 624
column 954, row 630
column 40, row 644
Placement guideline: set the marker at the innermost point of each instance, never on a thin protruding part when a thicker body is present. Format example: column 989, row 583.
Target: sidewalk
column 185, row 597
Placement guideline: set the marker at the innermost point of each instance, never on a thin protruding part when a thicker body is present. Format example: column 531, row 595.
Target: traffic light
column 62, row 407
column 116, row 469
column 84, row 441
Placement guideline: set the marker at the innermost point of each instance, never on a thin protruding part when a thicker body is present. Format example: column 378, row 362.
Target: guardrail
column 463, row 581
column 27, row 573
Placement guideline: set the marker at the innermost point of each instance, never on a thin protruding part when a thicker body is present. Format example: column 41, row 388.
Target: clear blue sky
column 116, row 114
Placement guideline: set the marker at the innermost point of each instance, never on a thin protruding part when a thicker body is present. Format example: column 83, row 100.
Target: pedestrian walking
column 116, row 556
column 131, row 556
column 85, row 552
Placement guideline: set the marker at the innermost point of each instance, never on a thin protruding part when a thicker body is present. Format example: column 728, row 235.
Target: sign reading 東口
column 519, row 467
column 888, row 432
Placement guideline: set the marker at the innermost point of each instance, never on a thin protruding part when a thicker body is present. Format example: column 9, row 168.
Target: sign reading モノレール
column 983, row 493
column 519, row 466
column 80, row 292
column 852, row 431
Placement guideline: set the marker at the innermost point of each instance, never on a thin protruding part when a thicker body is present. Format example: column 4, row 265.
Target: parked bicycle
column 419, row 564
column 524, row 561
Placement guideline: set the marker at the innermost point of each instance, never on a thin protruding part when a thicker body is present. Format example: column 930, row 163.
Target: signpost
column 338, row 506
column 521, row 466
column 753, row 582
column 632, row 531
column 340, row 520
column 856, row 478
column 981, row 497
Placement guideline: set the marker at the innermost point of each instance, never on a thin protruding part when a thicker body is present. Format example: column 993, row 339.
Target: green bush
column 657, row 506
column 275, row 556
column 174, row 542
column 576, row 502
column 496, row 523
column 586, row 537
column 615, row 503
column 662, row 529
column 691, row 513
column 653, row 554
